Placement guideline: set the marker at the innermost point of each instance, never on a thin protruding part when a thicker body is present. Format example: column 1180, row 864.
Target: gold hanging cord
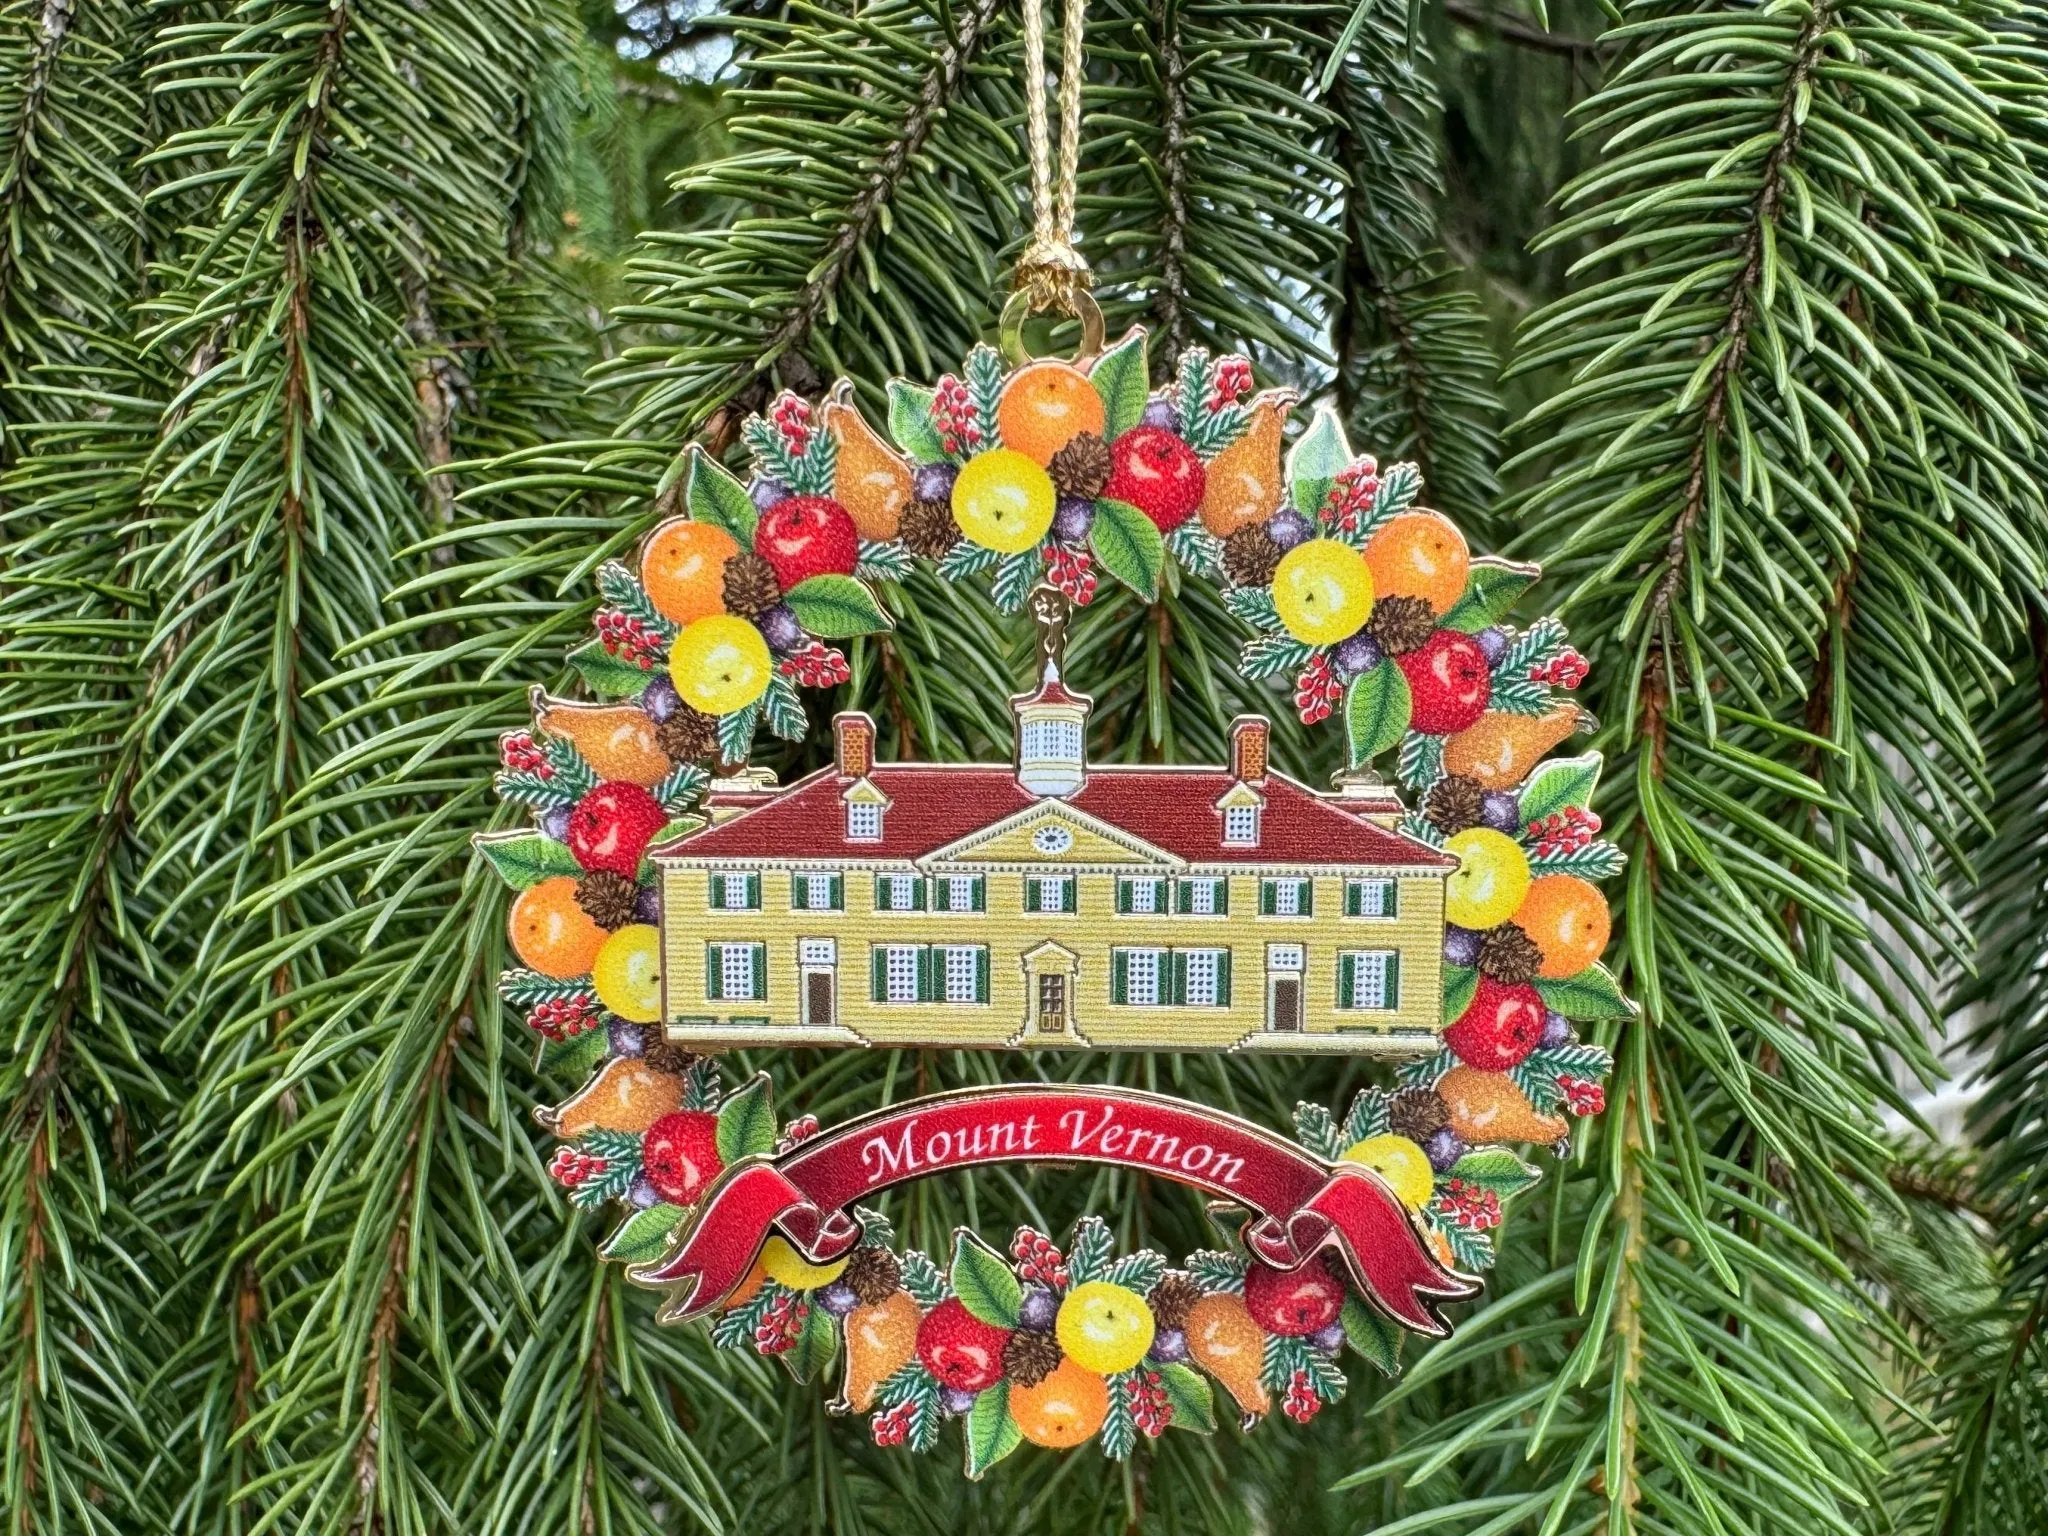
column 1052, row 274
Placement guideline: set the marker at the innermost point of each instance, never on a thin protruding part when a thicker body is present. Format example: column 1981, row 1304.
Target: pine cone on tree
column 1172, row 1299
column 1417, row 1113
column 1250, row 556
column 607, row 899
column 1028, row 1358
column 928, row 529
column 1081, row 469
column 1454, row 803
column 750, row 584
column 1509, row 955
column 1401, row 624
column 688, row 736
column 873, row 1274
column 657, row 1053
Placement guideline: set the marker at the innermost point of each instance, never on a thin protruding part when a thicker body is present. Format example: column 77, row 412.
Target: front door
column 818, row 998
column 1052, row 1005
column 1287, row 1002
column 1283, row 987
column 818, row 961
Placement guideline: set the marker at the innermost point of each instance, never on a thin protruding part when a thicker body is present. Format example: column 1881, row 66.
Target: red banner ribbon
column 1302, row 1205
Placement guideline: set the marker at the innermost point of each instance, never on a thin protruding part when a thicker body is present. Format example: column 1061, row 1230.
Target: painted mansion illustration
column 1051, row 903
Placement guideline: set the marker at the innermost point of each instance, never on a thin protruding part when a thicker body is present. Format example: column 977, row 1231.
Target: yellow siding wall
column 1090, row 932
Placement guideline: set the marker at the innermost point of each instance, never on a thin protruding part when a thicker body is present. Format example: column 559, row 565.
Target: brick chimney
column 1248, row 740
column 853, row 752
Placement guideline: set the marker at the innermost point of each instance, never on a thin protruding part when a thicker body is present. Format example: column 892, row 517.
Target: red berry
column 1293, row 1301
column 959, row 1348
column 1158, row 474
column 1501, row 1027
column 680, row 1155
column 1449, row 681
column 612, row 826
column 806, row 536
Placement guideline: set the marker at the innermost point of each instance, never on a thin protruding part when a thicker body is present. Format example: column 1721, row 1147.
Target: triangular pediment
column 1053, row 835
column 1239, row 794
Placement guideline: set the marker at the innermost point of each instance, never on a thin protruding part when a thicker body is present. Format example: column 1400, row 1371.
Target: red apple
column 1295, row 1302
column 1157, row 473
column 806, row 536
column 680, row 1154
column 1499, row 1028
column 612, row 826
column 1449, row 680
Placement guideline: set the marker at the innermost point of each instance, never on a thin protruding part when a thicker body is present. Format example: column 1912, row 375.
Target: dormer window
column 863, row 821
column 1241, row 826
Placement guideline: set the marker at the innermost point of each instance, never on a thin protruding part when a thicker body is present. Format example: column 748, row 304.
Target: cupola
column 1052, row 725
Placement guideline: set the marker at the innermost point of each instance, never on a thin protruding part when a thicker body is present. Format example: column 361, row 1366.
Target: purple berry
column 1444, row 1148
column 779, row 628
column 624, row 1038
column 1159, row 412
column 1038, row 1310
column 647, row 905
column 1491, row 643
column 934, row 482
column 643, row 1194
column 661, row 699
column 1169, row 1345
column 1461, row 945
column 955, row 1401
column 1076, row 515
column 1288, row 528
column 767, row 492
column 555, row 822
column 1501, row 809
column 1557, row 1030
column 1329, row 1338
column 838, row 1298
column 1361, row 653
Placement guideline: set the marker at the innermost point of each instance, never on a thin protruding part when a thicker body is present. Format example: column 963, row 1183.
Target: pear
column 880, row 1339
column 872, row 482
column 1499, row 749
column 615, row 739
column 1488, row 1107
column 625, row 1096
column 1245, row 483
column 1224, row 1340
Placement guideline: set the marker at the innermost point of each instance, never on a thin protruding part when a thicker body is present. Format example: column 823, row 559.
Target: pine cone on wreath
column 1509, row 955
column 750, row 584
column 1401, row 624
column 1250, row 557
column 607, row 899
column 1028, row 1358
column 657, row 1053
column 688, row 736
column 1454, row 803
column 1081, row 469
column 873, row 1274
column 928, row 529
column 1417, row 1113
column 1172, row 1299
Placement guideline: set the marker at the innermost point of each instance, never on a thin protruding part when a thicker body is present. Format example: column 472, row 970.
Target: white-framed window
column 1134, row 977
column 1371, row 898
column 863, row 821
column 964, row 972
column 1241, row 825
column 898, row 969
column 899, row 893
column 1369, row 979
column 1203, row 896
column 1059, row 739
column 1048, row 893
column 929, row 973
column 736, row 893
column 1179, row 978
column 813, row 891
column 1144, row 896
column 736, row 973
column 959, row 893
column 817, row 952
column 1202, row 977
column 1286, row 898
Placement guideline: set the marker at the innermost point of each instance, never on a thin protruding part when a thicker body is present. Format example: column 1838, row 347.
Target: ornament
column 1322, row 591
column 1003, row 501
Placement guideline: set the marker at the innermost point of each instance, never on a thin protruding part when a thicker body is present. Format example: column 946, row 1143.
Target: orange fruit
column 550, row 933
column 683, row 569
column 1045, row 406
column 749, row 1286
column 1064, row 1409
column 1568, row 920
column 1419, row 554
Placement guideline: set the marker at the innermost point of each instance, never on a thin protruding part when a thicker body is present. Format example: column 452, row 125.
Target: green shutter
column 714, row 973
column 760, row 969
column 1184, row 896
column 1069, row 894
column 1119, row 975
column 917, row 884
column 1222, row 896
column 799, row 892
column 1123, row 896
column 1393, row 898
column 835, row 892
column 878, row 973
column 1393, row 997
column 978, row 892
column 881, row 893
column 718, row 890
column 1347, row 981
column 927, row 964
column 1179, row 995
column 1308, row 898
column 1268, row 897
column 1032, row 895
column 753, row 891
column 1354, row 898
column 981, row 974
column 1223, row 978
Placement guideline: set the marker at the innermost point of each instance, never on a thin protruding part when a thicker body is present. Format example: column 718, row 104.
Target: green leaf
column 1461, row 985
column 991, row 1433
column 1497, row 1169
column 984, row 1281
column 714, row 496
column 609, row 676
column 1316, row 460
column 1371, row 1335
column 525, row 859
column 1189, row 1394
column 1592, row 994
column 910, row 422
column 1492, row 587
column 834, row 607
column 1128, row 544
column 1376, row 711
column 1561, row 782
column 574, row 1058
column 816, row 1343
column 1120, row 378
column 644, row 1235
column 746, row 1122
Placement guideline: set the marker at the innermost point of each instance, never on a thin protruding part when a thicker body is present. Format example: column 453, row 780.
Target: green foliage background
column 339, row 342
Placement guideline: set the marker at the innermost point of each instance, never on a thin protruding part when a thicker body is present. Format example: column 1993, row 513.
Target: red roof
column 934, row 804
